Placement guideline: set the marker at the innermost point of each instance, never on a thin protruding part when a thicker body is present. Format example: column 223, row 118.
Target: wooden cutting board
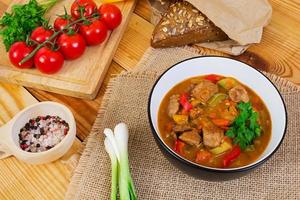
column 23, row 181
column 79, row 78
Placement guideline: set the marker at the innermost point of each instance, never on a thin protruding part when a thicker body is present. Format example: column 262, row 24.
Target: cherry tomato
column 17, row 52
column 40, row 34
column 60, row 23
column 110, row 15
column 48, row 61
column 71, row 46
column 94, row 33
column 89, row 6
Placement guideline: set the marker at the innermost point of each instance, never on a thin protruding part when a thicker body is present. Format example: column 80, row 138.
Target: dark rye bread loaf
column 184, row 24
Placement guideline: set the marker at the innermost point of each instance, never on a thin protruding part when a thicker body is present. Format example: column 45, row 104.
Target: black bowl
column 251, row 77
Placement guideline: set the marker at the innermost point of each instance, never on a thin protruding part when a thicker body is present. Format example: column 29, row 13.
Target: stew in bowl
column 215, row 121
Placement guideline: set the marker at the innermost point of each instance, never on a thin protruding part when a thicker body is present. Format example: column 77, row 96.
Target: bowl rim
column 203, row 167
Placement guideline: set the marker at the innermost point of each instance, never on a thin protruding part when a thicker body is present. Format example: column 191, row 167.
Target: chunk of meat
column 212, row 136
column 238, row 94
column 204, row 90
column 191, row 137
column 173, row 106
column 190, row 88
column 196, row 112
column 172, row 134
column 182, row 128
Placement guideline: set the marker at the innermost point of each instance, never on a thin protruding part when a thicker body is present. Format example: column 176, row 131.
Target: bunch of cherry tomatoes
column 48, row 47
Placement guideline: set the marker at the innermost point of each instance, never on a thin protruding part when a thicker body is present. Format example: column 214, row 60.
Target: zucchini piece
column 225, row 146
column 216, row 99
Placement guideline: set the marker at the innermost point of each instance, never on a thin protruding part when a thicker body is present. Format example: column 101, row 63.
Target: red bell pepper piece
column 213, row 78
column 179, row 145
column 231, row 156
column 187, row 106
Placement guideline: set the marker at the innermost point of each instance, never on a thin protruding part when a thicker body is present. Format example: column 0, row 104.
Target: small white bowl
column 227, row 67
column 9, row 139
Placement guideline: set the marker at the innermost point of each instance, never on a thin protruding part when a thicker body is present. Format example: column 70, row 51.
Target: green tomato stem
column 29, row 56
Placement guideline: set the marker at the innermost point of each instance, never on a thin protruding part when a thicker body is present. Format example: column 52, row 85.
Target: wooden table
column 279, row 53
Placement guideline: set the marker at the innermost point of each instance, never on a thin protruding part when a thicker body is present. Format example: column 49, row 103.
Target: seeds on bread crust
column 181, row 19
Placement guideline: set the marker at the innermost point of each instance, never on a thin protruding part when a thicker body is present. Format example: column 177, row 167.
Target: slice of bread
column 184, row 24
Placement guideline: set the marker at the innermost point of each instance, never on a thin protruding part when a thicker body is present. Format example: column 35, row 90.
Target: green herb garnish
column 245, row 127
column 23, row 19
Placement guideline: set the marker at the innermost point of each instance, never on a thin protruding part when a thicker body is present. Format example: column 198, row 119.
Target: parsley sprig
column 245, row 127
column 23, row 19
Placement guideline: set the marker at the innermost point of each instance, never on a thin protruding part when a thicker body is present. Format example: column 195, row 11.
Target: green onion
column 116, row 145
column 114, row 169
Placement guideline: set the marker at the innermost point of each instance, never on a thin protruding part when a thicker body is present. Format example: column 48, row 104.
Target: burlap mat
column 154, row 177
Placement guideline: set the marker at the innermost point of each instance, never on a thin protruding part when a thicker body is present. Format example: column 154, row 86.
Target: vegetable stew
column 215, row 121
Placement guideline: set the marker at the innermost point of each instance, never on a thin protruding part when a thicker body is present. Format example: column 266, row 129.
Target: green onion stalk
column 116, row 145
column 114, row 169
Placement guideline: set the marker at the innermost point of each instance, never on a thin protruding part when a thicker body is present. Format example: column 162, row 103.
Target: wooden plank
column 85, row 111
column 3, row 7
column 143, row 9
column 20, row 180
column 80, row 78
column 49, row 181
column 279, row 52
column 134, row 43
